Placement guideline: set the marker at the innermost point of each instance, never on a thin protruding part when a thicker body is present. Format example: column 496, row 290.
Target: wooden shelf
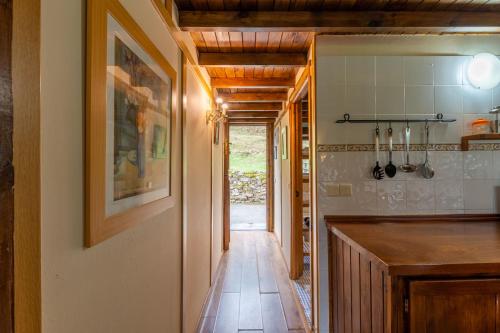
column 478, row 137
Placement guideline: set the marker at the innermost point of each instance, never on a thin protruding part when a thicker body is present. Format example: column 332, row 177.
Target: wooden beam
column 252, row 59
column 242, row 83
column 252, row 114
column 273, row 106
column 254, row 97
column 251, row 121
column 341, row 21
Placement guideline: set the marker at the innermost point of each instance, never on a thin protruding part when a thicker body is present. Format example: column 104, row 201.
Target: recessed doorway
column 248, row 177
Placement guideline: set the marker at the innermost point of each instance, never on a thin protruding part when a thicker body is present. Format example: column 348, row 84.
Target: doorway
column 248, row 177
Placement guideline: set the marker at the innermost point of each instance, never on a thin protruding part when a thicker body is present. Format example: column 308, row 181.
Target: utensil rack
column 437, row 119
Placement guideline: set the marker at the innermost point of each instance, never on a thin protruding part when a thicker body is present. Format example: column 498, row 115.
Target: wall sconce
column 483, row 71
column 219, row 113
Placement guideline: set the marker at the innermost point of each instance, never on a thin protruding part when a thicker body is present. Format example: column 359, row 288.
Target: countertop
column 422, row 248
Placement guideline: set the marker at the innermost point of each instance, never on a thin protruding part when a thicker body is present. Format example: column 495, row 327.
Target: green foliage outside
column 248, row 148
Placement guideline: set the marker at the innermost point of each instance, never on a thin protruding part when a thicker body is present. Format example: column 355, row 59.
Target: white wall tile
column 391, row 195
column 333, row 70
column 448, row 132
column 420, row 195
column 390, row 100
column 419, row 70
column 360, row 100
column 496, row 165
column 480, row 194
column 389, row 71
column 496, row 96
column 448, row 70
column 447, row 164
column 448, row 99
column 419, row 100
column 478, row 165
column 360, row 70
column 449, row 194
column 476, row 100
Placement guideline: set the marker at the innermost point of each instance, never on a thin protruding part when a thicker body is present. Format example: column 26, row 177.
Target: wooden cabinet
column 458, row 306
column 434, row 277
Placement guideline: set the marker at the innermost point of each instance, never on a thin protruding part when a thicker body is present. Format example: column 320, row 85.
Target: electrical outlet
column 332, row 190
column 345, row 190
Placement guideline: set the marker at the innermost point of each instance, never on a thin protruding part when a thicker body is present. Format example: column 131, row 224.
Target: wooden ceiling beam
column 251, row 121
column 255, row 106
column 254, row 97
column 341, row 21
column 252, row 59
column 252, row 114
column 244, row 83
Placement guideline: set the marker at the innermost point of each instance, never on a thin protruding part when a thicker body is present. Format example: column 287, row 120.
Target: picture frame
column 130, row 96
column 284, row 143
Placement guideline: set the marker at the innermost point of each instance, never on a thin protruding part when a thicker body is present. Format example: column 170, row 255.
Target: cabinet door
column 455, row 306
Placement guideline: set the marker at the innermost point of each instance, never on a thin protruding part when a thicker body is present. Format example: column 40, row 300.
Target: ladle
column 407, row 167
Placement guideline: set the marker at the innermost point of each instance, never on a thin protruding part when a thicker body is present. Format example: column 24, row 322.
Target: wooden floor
column 253, row 292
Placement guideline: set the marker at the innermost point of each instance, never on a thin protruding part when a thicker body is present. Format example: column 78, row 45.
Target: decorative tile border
column 400, row 147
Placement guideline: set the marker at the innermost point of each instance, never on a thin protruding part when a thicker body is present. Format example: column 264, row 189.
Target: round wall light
column 483, row 71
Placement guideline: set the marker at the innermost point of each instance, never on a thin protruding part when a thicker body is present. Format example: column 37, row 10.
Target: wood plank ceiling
column 251, row 51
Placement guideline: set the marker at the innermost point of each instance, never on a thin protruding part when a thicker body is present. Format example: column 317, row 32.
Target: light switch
column 332, row 190
column 345, row 190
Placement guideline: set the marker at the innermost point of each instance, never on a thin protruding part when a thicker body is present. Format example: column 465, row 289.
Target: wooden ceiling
column 318, row 5
column 253, row 49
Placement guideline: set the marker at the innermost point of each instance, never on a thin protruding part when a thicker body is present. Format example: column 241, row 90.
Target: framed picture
column 130, row 86
column 284, row 143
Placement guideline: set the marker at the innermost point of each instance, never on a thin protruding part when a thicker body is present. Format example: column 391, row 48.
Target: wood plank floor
column 253, row 292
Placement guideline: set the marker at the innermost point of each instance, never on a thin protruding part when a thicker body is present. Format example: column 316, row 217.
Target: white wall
column 217, row 201
column 131, row 282
column 277, row 182
column 286, row 214
column 400, row 76
column 197, row 203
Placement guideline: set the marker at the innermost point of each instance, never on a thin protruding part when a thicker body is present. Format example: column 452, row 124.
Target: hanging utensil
column 378, row 172
column 426, row 169
column 390, row 169
column 407, row 167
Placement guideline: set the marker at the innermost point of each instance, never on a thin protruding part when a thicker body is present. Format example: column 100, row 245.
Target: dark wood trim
column 270, row 177
column 411, row 218
column 254, row 97
column 6, row 171
column 252, row 114
column 252, row 59
column 466, row 139
column 26, row 80
column 265, row 106
column 340, row 21
column 236, row 83
column 226, row 224
column 251, row 121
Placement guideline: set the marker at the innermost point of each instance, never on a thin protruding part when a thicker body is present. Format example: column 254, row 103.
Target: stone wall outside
column 248, row 187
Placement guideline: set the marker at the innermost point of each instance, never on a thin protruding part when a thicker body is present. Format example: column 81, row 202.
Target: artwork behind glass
column 141, row 126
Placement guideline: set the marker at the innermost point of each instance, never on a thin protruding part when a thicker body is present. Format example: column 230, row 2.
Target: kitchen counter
column 426, row 247
column 414, row 274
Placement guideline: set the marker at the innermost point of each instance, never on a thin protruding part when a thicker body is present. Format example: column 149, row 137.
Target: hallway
column 253, row 292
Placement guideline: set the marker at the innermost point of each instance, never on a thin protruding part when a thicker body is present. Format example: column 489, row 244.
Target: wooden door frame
column 26, row 140
column 269, row 177
column 296, row 192
column 6, row 172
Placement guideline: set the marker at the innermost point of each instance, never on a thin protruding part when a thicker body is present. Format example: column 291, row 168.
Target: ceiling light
column 219, row 100
column 483, row 71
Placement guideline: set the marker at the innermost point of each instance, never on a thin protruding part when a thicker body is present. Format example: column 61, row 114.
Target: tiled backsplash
column 388, row 86
column 463, row 182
